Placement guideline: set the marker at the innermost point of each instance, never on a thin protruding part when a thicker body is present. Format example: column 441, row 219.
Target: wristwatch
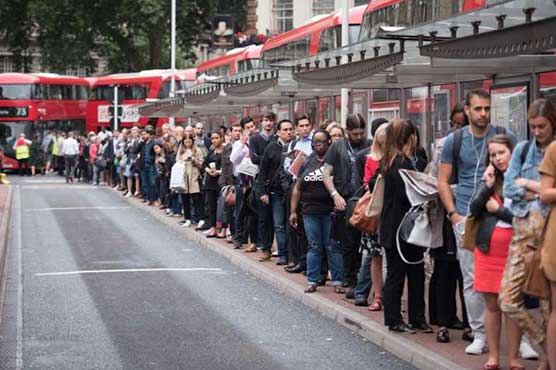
column 333, row 193
column 450, row 214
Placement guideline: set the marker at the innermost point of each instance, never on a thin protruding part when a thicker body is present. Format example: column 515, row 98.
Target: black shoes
column 402, row 328
column 443, row 336
column 297, row 269
column 422, row 327
column 456, row 325
column 360, row 301
column 350, row 293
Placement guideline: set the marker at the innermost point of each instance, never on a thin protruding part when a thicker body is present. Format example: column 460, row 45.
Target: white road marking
column 84, row 272
column 19, row 351
column 74, row 208
column 44, row 181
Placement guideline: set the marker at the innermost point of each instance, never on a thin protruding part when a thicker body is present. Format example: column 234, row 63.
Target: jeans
column 318, row 230
column 97, row 173
column 148, row 182
column 474, row 301
column 279, row 223
column 364, row 278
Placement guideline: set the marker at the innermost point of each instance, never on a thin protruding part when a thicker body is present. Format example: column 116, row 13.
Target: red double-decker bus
column 134, row 89
column 234, row 61
column 34, row 103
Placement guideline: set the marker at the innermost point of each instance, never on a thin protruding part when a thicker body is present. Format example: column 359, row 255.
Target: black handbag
column 101, row 162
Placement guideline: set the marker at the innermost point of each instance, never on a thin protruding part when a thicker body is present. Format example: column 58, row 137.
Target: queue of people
column 286, row 191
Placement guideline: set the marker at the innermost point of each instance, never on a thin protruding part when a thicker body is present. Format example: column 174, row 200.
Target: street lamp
column 173, row 56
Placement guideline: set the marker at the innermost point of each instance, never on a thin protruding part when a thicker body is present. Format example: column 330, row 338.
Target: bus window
column 15, row 91
column 329, row 39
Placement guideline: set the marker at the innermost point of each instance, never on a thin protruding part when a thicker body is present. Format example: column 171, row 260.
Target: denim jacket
column 527, row 170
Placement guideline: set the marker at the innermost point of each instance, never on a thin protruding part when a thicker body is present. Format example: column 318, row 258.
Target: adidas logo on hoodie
column 314, row 176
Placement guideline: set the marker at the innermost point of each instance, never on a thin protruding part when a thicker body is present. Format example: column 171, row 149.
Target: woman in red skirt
column 493, row 239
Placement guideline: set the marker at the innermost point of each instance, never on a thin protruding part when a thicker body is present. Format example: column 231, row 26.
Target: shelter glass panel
column 509, row 109
column 442, row 103
column 338, row 109
column 324, row 110
column 417, row 110
column 384, row 103
column 311, row 109
column 298, row 107
column 283, row 112
column 547, row 82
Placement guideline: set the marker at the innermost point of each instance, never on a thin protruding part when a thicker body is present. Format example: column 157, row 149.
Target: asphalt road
column 94, row 283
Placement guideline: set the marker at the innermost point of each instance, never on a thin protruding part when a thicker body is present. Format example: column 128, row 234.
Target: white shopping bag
column 177, row 178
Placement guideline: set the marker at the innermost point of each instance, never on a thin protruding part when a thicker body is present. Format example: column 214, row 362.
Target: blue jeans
column 148, row 180
column 279, row 222
column 318, row 230
column 364, row 278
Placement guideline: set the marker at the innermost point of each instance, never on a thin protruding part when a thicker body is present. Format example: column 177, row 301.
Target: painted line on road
column 19, row 223
column 85, row 272
column 74, row 209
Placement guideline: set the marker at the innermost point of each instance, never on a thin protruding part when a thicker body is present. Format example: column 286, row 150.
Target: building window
column 6, row 64
column 323, row 7
column 283, row 11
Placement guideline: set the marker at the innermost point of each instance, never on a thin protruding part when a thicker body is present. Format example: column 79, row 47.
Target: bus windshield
column 15, row 91
column 10, row 131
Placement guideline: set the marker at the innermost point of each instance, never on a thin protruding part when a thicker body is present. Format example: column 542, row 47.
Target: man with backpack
column 463, row 158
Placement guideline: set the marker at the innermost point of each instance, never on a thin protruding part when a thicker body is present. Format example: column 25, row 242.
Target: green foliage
column 133, row 35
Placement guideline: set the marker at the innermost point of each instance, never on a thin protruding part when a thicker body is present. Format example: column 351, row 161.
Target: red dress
column 489, row 267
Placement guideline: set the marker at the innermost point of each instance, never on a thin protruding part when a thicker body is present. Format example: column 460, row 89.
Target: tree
column 132, row 35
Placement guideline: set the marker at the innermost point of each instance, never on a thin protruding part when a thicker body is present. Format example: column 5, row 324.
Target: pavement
column 93, row 282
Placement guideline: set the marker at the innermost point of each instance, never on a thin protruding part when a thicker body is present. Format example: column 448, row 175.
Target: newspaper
column 297, row 163
column 246, row 167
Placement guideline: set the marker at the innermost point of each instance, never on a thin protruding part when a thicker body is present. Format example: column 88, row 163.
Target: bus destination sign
column 13, row 112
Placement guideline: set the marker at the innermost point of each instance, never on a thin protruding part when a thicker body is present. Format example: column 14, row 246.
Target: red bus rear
column 134, row 89
column 34, row 103
column 235, row 61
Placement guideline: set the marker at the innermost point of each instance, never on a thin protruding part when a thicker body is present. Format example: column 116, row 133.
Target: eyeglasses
column 320, row 142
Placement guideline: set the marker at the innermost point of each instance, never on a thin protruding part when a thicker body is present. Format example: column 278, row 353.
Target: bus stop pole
column 116, row 116
column 345, row 42
column 171, row 120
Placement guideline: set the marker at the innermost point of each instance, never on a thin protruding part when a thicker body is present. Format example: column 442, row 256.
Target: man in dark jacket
column 269, row 190
column 339, row 179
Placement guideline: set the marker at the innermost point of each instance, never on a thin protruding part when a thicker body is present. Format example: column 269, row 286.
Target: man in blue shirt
column 468, row 167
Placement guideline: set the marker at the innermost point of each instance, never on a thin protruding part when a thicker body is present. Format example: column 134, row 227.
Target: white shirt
column 70, row 147
column 239, row 152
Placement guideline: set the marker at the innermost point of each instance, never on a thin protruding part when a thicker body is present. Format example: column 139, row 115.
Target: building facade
column 271, row 17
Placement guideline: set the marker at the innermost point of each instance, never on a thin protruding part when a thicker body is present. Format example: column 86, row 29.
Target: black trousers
column 349, row 238
column 265, row 228
column 23, row 163
column 445, row 279
column 212, row 203
column 164, row 191
column 197, row 199
column 397, row 272
column 297, row 240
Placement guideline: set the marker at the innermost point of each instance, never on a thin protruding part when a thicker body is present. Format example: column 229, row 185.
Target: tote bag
column 177, row 177
column 377, row 199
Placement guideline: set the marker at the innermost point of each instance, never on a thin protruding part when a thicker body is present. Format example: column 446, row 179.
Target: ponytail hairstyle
column 398, row 135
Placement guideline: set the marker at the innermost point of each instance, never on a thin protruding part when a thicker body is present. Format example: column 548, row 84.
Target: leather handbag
column 472, row 225
column 536, row 284
column 230, row 196
column 359, row 219
column 374, row 208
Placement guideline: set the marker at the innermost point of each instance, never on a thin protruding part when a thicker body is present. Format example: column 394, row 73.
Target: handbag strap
column 398, row 245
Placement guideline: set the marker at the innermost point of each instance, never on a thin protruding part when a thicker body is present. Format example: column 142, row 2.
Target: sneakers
column 185, row 223
column 200, row 225
column 128, row 195
column 527, row 352
column 478, row 347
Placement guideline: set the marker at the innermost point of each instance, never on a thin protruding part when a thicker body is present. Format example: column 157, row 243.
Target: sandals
column 311, row 288
column 376, row 305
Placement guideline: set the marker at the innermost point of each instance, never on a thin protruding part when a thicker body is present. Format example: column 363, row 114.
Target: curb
column 4, row 228
column 403, row 348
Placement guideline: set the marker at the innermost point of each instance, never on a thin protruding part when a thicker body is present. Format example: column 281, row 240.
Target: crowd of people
column 287, row 184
